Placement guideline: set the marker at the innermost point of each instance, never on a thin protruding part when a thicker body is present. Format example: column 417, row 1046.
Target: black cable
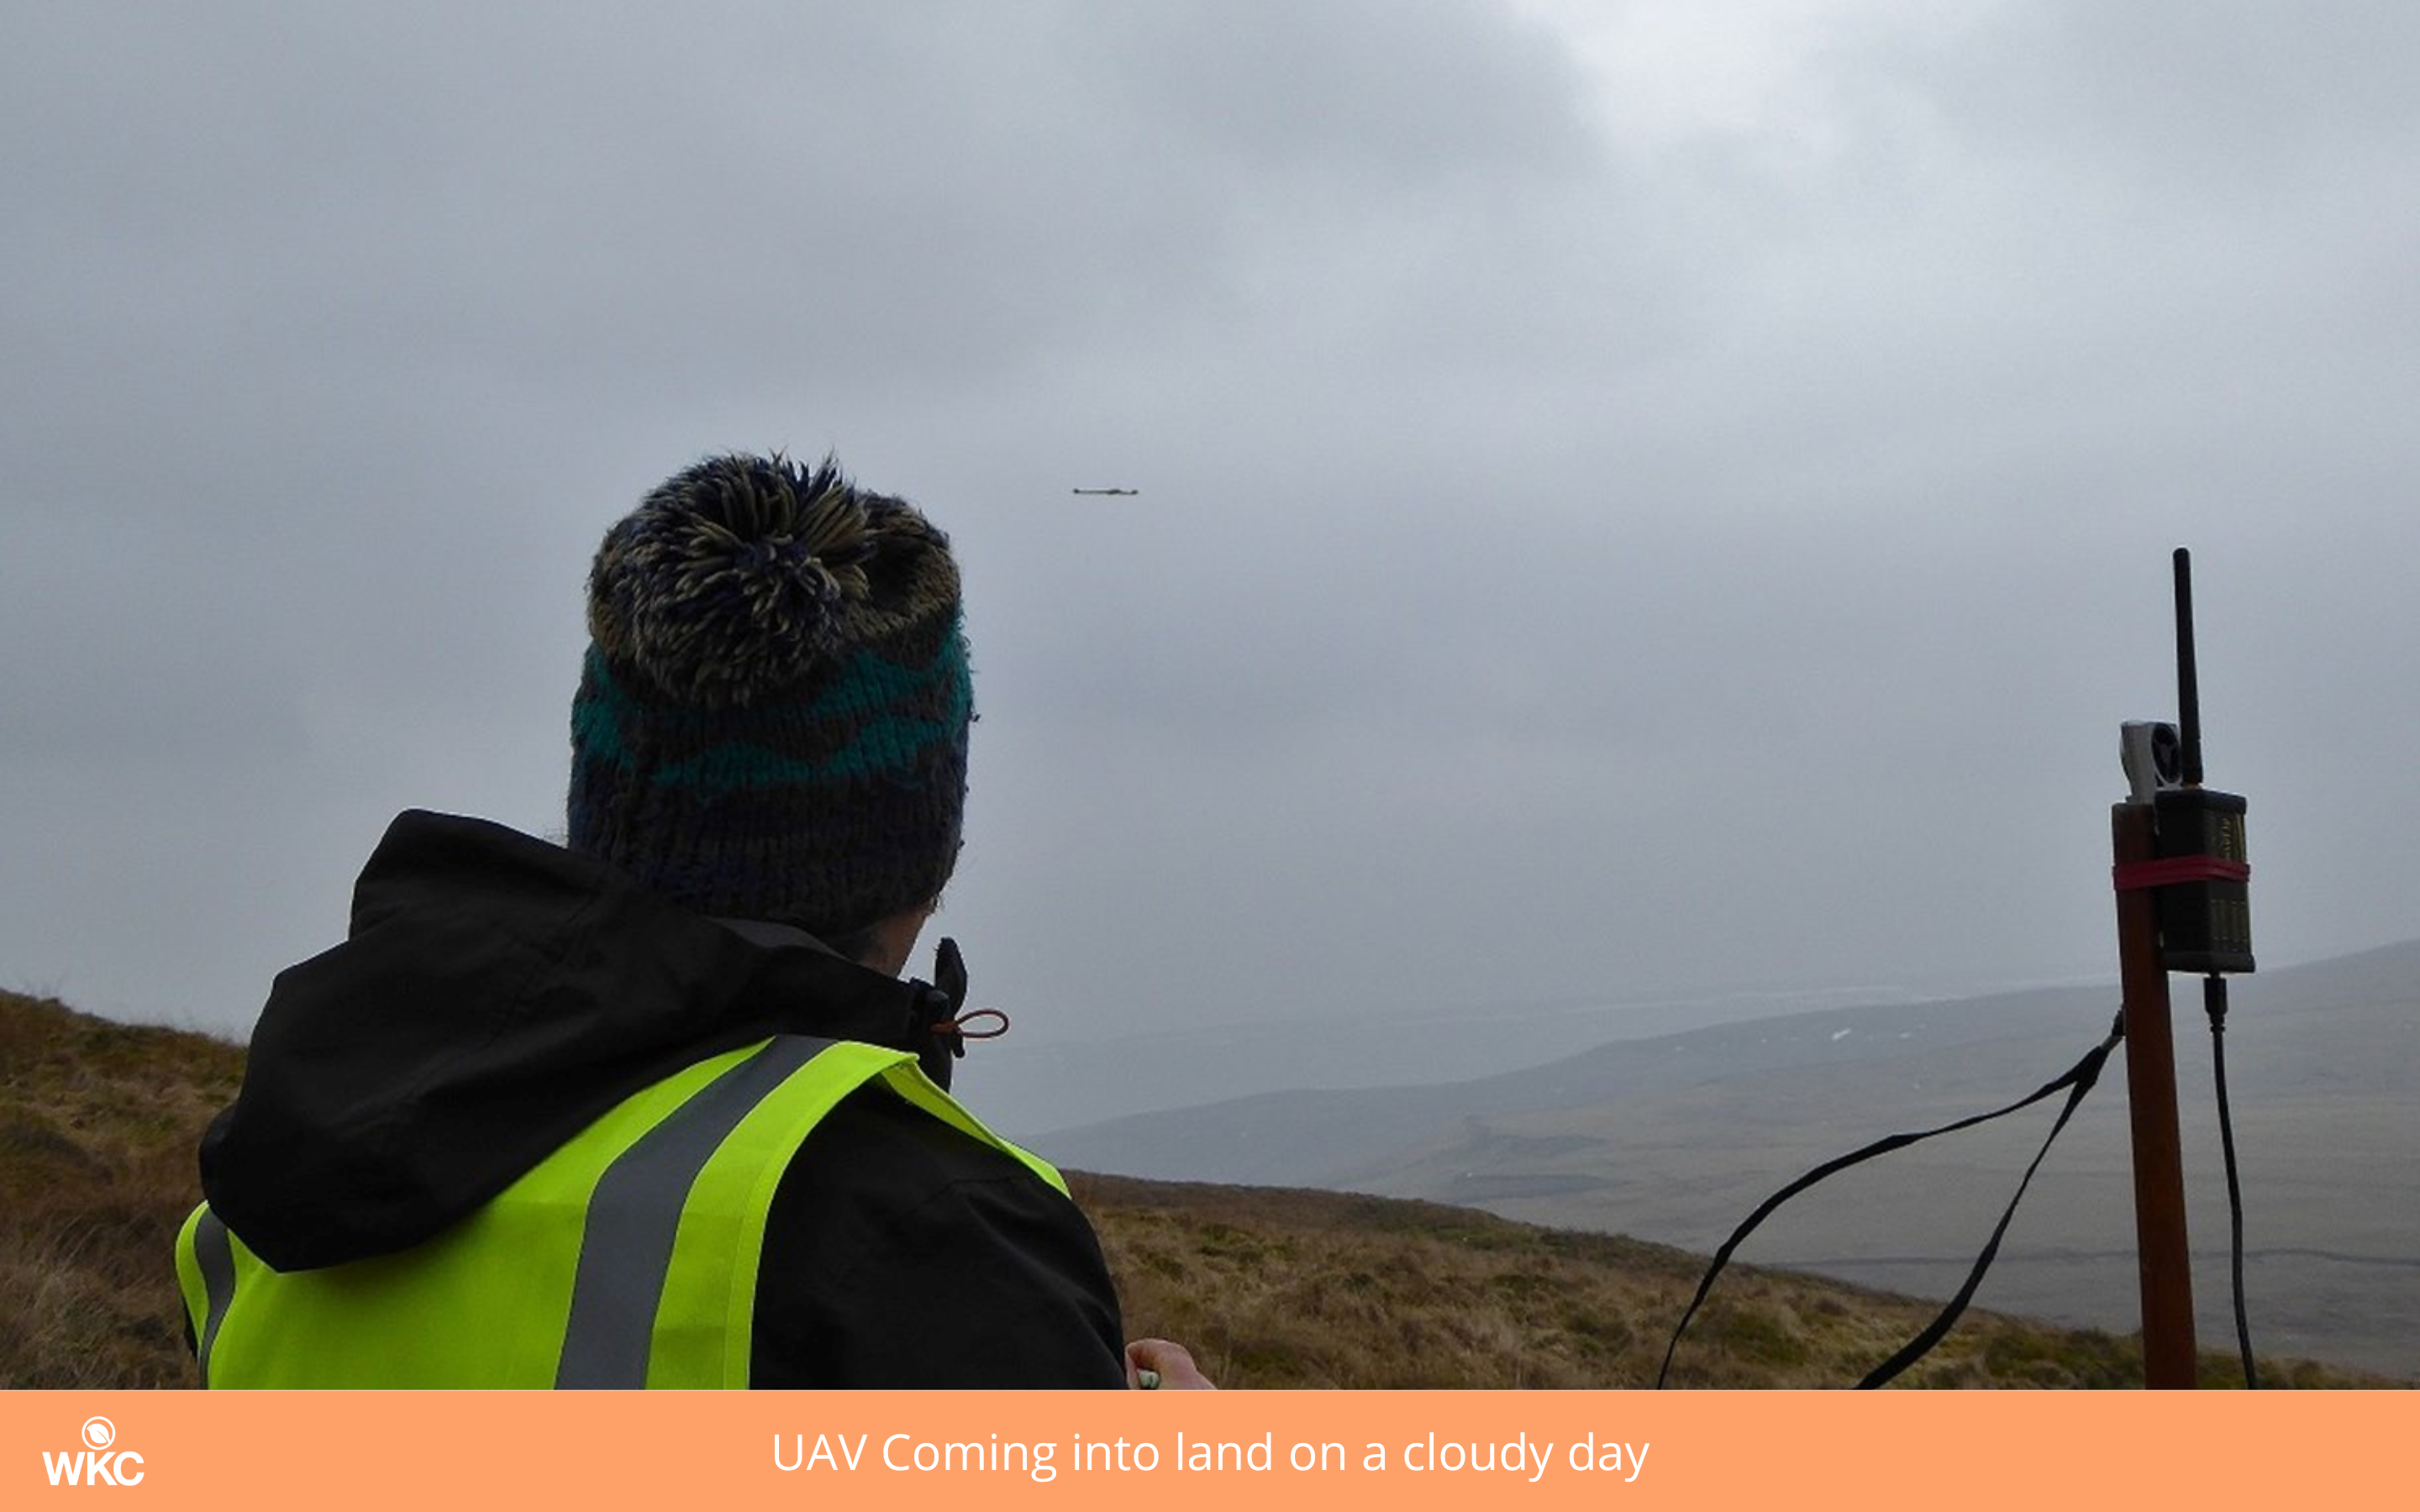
column 2079, row 1077
column 2087, row 1073
column 2214, row 1002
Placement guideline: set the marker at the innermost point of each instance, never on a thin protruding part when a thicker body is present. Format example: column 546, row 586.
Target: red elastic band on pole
column 2173, row 870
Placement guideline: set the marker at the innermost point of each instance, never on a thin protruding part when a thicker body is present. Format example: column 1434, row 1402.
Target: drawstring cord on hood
column 941, row 1021
column 962, row 1030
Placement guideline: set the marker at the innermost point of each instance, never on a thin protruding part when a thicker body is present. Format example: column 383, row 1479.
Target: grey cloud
column 1562, row 566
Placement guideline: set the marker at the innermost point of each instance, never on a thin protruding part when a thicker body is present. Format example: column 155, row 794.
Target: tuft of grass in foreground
column 1269, row 1287
column 97, row 1127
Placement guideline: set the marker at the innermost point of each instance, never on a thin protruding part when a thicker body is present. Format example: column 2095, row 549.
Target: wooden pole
column 2168, row 1351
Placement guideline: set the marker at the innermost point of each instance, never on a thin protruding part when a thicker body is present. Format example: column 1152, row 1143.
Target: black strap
column 2080, row 1077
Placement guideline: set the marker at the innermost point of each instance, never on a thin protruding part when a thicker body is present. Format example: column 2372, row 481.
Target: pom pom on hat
column 742, row 574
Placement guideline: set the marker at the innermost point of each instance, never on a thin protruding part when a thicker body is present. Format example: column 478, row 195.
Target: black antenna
column 2217, row 909
column 2187, row 680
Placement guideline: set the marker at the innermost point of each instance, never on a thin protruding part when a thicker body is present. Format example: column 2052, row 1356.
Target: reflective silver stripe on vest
column 627, row 1248
column 216, row 1258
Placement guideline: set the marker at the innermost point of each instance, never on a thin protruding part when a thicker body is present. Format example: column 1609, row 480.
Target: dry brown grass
column 98, row 1125
column 1271, row 1289
column 1291, row 1288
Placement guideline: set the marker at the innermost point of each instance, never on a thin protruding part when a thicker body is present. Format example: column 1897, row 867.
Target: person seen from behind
column 655, row 1106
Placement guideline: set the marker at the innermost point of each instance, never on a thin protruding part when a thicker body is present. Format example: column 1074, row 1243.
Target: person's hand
column 1157, row 1365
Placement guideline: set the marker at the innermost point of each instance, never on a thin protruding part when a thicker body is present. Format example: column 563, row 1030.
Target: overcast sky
column 1635, row 498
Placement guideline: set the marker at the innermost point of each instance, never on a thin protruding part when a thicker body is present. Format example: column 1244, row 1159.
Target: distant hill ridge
column 98, row 1120
column 1676, row 1138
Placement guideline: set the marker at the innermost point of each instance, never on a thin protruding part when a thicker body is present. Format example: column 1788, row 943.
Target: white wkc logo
column 93, row 1464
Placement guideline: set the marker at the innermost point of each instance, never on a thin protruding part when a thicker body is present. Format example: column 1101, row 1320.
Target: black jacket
column 496, row 995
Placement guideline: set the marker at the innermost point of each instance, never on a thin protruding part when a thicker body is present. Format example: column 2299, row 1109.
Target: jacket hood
column 496, row 995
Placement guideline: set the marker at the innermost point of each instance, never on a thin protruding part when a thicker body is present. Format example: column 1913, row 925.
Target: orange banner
column 1065, row 1451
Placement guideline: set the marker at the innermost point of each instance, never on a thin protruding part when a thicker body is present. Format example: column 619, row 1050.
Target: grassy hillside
column 98, row 1123
column 1271, row 1287
column 1676, row 1138
column 1280, row 1288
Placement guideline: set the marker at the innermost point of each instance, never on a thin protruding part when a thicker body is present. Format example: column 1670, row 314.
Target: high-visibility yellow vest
column 626, row 1258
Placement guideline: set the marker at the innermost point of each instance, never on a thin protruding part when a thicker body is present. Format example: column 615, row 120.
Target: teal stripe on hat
column 883, row 744
column 880, row 748
column 867, row 682
column 873, row 682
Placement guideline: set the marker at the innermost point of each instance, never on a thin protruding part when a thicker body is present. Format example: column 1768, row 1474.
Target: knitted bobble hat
column 772, row 717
